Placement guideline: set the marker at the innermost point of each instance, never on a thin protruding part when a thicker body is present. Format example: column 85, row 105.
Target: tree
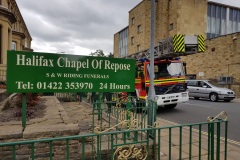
column 100, row 53
column 110, row 55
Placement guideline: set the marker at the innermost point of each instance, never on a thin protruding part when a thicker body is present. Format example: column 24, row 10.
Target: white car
column 205, row 89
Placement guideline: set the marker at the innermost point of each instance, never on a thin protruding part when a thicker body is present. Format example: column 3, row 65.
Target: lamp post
column 151, row 92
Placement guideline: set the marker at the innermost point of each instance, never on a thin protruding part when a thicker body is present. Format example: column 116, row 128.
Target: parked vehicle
column 206, row 89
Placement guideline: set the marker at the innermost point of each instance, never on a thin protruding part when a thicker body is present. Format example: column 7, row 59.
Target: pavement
column 237, row 100
column 73, row 118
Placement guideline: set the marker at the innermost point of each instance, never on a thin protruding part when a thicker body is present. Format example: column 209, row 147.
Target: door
column 192, row 88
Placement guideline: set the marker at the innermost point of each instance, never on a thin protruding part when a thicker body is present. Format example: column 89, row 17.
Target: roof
column 230, row 3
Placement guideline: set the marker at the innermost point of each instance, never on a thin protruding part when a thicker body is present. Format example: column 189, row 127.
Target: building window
column 139, row 29
column 14, row 46
column 133, row 21
column 138, row 48
column 222, row 20
column 123, row 43
column 234, row 20
column 216, row 20
column 26, row 45
column 132, row 40
column 171, row 27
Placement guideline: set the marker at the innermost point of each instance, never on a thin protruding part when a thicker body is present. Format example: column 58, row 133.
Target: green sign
column 47, row 72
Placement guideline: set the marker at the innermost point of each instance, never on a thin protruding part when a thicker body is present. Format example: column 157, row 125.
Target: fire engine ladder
column 178, row 45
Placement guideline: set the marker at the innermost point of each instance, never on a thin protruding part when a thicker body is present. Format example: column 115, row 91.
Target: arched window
column 14, row 46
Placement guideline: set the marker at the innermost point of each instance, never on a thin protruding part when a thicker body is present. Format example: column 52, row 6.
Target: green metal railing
column 117, row 145
column 67, row 97
column 114, row 113
column 120, row 130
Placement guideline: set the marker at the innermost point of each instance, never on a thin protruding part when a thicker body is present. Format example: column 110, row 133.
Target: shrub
column 31, row 100
column 18, row 113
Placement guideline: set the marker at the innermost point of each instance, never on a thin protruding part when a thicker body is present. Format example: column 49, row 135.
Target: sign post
column 24, row 110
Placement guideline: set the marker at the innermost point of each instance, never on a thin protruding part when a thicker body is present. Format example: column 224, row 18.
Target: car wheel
column 214, row 97
column 196, row 97
column 227, row 100
column 170, row 106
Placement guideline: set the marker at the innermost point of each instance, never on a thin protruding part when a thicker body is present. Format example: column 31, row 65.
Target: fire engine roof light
column 177, row 58
column 143, row 59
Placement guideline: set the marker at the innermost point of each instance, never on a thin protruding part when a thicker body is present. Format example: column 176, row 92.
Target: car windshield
column 163, row 70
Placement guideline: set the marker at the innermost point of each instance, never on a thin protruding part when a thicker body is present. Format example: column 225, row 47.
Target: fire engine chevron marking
column 178, row 43
column 201, row 47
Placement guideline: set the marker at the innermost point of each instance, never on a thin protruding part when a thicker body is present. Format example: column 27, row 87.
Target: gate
column 122, row 132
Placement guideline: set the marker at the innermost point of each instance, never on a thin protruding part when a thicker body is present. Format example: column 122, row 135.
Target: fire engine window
column 160, row 71
column 139, row 71
column 164, row 70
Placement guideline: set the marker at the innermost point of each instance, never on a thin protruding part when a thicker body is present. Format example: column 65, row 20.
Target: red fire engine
column 169, row 81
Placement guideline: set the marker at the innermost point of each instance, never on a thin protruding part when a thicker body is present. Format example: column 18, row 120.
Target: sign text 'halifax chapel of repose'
column 47, row 72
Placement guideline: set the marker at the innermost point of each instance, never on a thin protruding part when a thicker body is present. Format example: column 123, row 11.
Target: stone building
column 219, row 23
column 14, row 34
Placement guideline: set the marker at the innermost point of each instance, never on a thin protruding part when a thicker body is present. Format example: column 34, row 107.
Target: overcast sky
column 74, row 26
column 78, row 26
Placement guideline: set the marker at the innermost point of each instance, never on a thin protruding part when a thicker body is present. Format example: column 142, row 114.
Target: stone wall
column 191, row 17
column 139, row 14
column 116, row 44
column 172, row 17
column 221, row 58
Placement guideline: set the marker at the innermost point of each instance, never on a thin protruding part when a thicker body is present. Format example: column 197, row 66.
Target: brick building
column 219, row 23
column 14, row 34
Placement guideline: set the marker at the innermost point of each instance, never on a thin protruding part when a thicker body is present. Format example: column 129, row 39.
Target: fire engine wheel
column 170, row 106
column 214, row 97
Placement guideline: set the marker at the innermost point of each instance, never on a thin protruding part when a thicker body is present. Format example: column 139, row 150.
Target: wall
column 13, row 27
column 166, row 13
column 139, row 13
column 221, row 58
column 186, row 16
column 191, row 17
column 116, row 44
